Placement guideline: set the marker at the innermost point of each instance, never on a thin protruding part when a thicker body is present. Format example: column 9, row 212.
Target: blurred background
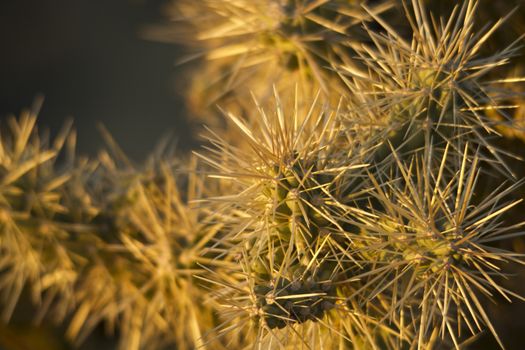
column 87, row 58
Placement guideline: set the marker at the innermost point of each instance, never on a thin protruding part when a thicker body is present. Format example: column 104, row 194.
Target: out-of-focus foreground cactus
column 361, row 198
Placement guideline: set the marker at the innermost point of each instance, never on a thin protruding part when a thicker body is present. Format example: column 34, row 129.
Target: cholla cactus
column 140, row 279
column 433, row 86
column 358, row 224
column 104, row 242
column 281, row 42
column 312, row 188
column 299, row 192
column 34, row 220
column 434, row 248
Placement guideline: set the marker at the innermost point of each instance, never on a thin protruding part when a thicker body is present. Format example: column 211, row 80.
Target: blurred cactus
column 33, row 235
column 103, row 241
column 351, row 210
column 140, row 278
column 283, row 42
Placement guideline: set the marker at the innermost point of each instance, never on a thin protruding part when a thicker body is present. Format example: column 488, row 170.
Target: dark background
column 89, row 61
